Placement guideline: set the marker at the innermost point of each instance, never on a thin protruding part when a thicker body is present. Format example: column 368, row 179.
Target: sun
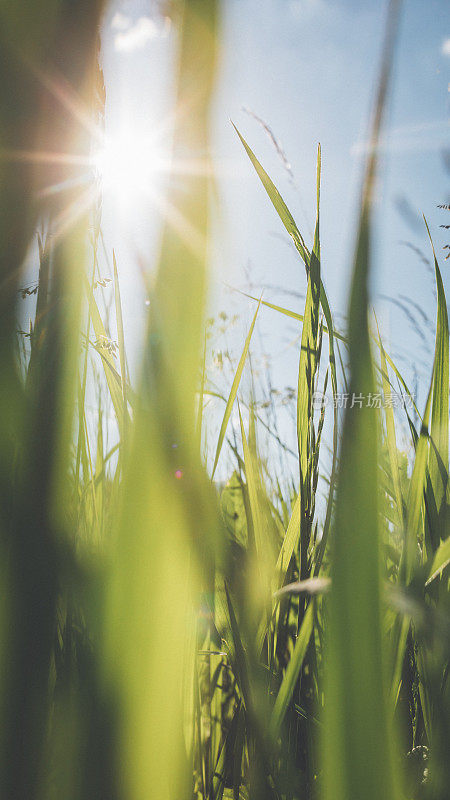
column 128, row 166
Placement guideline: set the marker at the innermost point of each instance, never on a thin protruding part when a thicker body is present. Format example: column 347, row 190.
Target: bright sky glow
column 127, row 165
column 308, row 69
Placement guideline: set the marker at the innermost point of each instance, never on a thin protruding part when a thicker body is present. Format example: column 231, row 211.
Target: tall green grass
column 161, row 635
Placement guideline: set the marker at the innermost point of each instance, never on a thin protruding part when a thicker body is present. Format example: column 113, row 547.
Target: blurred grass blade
column 357, row 746
column 254, row 487
column 165, row 543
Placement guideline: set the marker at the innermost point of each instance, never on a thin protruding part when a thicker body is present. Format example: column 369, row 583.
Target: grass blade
column 440, row 561
column 390, row 435
column 357, row 746
column 121, row 341
column 292, row 672
column 439, row 429
column 233, row 392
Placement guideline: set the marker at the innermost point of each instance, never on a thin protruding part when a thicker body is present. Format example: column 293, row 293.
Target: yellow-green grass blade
column 132, row 397
column 162, row 560
column 332, row 334
column 335, row 335
column 413, row 530
column 308, row 353
column 233, row 392
column 402, row 625
column 277, row 201
column 415, row 501
column 107, row 359
column 289, row 313
column 201, row 396
column 292, row 672
column 254, row 492
column 308, row 364
column 99, row 477
column 358, row 749
column 121, row 341
column 390, row 435
column 261, row 560
column 424, row 683
column 81, row 445
column 439, row 427
column 290, row 225
column 400, row 378
column 290, row 542
column 440, row 561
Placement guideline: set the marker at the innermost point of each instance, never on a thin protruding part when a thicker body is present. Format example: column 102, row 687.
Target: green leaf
column 292, row 672
column 416, row 497
column 439, row 428
column 277, row 201
column 308, row 365
column 290, row 542
column 390, row 435
column 108, row 361
column 121, row 340
column 288, row 313
column 440, row 560
column 233, row 392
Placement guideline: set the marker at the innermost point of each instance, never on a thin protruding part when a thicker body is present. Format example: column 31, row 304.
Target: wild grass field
column 164, row 635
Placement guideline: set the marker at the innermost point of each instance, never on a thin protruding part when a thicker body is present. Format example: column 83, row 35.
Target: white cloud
column 134, row 36
column 120, row 22
column 445, row 49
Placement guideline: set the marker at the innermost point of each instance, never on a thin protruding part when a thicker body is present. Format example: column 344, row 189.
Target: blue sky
column 308, row 68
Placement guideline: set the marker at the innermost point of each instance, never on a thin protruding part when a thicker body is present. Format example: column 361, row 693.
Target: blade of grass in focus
column 233, row 392
column 439, row 428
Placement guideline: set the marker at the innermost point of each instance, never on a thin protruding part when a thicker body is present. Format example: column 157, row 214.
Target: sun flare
column 128, row 166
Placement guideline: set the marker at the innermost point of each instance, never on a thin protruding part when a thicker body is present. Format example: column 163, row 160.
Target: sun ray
column 62, row 91
column 73, row 212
